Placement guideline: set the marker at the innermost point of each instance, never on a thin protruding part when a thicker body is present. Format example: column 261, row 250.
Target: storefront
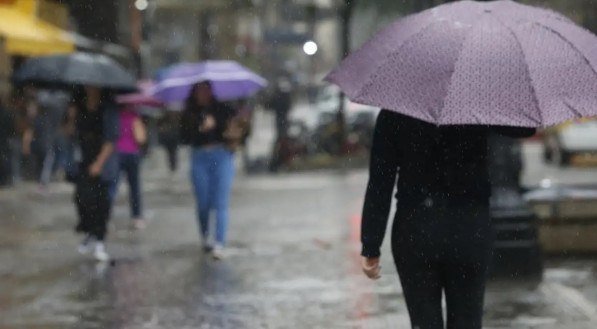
column 25, row 34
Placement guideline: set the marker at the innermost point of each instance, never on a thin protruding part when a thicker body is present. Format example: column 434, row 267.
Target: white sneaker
column 84, row 247
column 218, row 252
column 100, row 253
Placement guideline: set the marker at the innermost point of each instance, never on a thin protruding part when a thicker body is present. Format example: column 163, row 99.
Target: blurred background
column 302, row 173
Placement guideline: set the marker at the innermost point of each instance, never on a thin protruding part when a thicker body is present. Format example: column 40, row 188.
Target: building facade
column 267, row 35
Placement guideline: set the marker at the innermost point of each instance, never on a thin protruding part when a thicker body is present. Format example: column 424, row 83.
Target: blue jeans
column 212, row 172
column 129, row 164
column 65, row 155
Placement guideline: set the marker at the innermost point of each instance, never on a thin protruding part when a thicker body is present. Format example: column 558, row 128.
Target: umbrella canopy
column 76, row 69
column 141, row 98
column 229, row 80
column 496, row 63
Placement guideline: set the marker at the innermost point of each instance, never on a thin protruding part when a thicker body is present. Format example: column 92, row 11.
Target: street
column 90, row 90
column 293, row 263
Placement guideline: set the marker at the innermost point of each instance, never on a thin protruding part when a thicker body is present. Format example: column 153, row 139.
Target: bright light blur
column 310, row 48
column 141, row 4
column 546, row 183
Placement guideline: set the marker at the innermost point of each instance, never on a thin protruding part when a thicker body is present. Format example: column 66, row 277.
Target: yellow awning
column 28, row 36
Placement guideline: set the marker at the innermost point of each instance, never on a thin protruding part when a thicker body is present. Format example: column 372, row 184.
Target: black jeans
column 172, row 152
column 446, row 248
column 93, row 206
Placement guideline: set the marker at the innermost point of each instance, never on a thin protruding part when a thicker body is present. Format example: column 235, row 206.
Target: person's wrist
column 370, row 262
column 370, row 251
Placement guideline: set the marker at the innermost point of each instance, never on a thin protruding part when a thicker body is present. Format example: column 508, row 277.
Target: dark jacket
column 192, row 119
column 93, row 130
column 450, row 161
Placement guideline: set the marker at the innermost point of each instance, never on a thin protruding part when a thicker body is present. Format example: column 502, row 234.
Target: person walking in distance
column 68, row 143
column 97, row 132
column 281, row 103
column 169, row 138
column 205, row 126
column 133, row 135
column 52, row 106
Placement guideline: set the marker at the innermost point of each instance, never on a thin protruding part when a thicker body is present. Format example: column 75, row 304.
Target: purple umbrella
column 496, row 63
column 229, row 79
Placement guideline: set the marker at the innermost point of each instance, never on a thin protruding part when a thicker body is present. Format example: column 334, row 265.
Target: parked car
column 328, row 102
column 360, row 121
column 567, row 141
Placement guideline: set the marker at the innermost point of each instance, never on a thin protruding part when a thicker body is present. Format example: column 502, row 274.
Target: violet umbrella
column 490, row 63
column 229, row 80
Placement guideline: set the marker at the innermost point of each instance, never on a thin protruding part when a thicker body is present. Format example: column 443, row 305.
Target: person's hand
column 95, row 169
column 209, row 123
column 371, row 267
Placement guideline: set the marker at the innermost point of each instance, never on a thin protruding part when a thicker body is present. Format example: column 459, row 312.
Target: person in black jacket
column 205, row 125
column 97, row 132
column 441, row 235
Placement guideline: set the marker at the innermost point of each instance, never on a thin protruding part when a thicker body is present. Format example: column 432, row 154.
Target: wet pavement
column 293, row 263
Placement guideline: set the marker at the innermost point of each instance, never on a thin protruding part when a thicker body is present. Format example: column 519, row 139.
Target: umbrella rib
column 458, row 59
column 557, row 33
column 370, row 78
column 528, row 69
column 573, row 109
column 578, row 51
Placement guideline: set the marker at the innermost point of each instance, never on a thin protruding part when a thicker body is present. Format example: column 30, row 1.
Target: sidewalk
column 293, row 263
